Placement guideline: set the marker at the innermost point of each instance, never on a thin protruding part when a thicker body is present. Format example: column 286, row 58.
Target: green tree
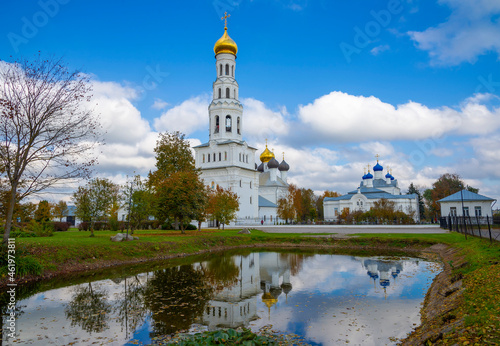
column 307, row 210
column 412, row 189
column 26, row 211
column 48, row 134
column 180, row 197
column 289, row 208
column 60, row 210
column 223, row 205
column 178, row 191
column 43, row 212
column 93, row 202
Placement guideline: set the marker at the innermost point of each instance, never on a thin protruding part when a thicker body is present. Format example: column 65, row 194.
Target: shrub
column 41, row 229
column 191, row 227
column 84, row 226
column 60, row 226
column 114, row 224
column 18, row 233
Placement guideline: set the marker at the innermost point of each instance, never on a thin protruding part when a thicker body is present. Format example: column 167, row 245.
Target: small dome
column 364, row 177
column 392, row 178
column 287, row 287
column 283, row 167
column 378, row 167
column 225, row 44
column 273, row 163
column 261, row 167
column 369, row 176
column 388, row 175
column 266, row 155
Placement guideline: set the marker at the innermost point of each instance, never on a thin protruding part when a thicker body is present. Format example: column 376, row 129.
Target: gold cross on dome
column 226, row 16
column 377, row 157
column 368, row 166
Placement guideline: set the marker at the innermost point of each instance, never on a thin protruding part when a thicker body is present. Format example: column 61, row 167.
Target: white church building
column 372, row 188
column 226, row 160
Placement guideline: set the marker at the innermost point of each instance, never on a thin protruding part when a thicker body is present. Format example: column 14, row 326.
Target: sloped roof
column 467, row 196
column 265, row 180
column 263, row 202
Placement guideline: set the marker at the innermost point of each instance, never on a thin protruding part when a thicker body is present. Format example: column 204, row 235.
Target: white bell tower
column 225, row 111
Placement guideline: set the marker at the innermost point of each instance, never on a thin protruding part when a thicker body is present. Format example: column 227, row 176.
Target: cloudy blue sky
column 330, row 83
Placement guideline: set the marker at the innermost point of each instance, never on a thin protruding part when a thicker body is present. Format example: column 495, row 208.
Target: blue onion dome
column 378, row 167
column 388, row 175
column 392, row 178
column 385, row 283
column 364, row 177
column 261, row 167
column 369, row 176
column 283, row 167
column 273, row 163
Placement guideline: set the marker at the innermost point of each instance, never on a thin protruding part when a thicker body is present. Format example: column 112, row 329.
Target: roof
column 230, row 141
column 467, row 196
column 266, row 203
column 376, row 194
column 265, row 180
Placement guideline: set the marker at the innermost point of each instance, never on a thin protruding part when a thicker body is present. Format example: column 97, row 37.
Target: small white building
column 372, row 189
column 466, row 203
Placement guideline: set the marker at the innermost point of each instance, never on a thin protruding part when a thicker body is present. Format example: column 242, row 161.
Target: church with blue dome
column 372, row 188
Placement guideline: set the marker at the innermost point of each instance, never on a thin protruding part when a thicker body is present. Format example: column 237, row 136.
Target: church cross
column 226, row 16
column 368, row 166
column 377, row 157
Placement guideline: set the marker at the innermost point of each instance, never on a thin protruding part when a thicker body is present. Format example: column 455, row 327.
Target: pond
column 327, row 299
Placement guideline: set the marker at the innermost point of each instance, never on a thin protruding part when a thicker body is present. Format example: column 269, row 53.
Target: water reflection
column 328, row 299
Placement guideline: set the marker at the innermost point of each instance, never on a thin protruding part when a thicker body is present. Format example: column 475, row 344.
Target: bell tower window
column 216, row 124
column 238, row 126
column 220, row 93
column 227, row 69
column 232, row 70
column 228, row 123
column 220, row 70
column 227, row 93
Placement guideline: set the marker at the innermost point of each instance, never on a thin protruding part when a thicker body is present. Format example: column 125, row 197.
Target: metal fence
column 471, row 225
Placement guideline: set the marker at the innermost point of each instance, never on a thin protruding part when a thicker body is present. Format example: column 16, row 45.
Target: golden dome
column 266, row 155
column 225, row 44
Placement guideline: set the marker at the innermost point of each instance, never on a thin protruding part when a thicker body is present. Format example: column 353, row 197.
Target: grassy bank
column 75, row 252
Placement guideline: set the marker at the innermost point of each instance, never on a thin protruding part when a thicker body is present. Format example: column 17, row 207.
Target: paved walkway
column 342, row 229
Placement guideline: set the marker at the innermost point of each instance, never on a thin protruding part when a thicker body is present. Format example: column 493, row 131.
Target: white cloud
column 473, row 29
column 159, row 104
column 188, row 117
column 339, row 117
column 261, row 122
column 379, row 49
column 120, row 119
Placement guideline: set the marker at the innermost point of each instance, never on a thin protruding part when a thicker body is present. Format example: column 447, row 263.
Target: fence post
column 478, row 226
column 465, row 226
column 489, row 228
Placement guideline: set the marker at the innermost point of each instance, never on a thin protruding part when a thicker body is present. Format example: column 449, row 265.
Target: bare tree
column 47, row 133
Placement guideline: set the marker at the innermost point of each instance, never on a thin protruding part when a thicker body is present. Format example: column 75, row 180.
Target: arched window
column 214, row 157
column 250, row 184
column 225, row 156
column 247, row 159
column 228, row 123
column 220, row 156
column 240, row 183
column 216, row 130
column 213, row 185
column 234, row 93
column 227, row 93
column 238, row 126
column 232, row 70
column 208, row 157
column 227, row 69
column 203, row 158
column 220, row 93
column 220, row 70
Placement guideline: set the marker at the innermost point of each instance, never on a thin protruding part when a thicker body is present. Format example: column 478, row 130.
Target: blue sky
column 330, row 83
